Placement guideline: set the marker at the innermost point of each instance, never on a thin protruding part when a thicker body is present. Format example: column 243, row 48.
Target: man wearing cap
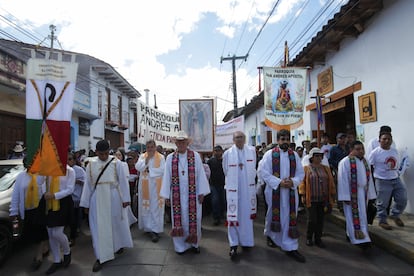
column 355, row 187
column 151, row 167
column 184, row 186
column 282, row 170
column 105, row 197
column 218, row 198
column 339, row 151
column 239, row 166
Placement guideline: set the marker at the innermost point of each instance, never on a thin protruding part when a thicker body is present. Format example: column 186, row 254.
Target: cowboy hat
column 18, row 148
column 315, row 151
column 181, row 136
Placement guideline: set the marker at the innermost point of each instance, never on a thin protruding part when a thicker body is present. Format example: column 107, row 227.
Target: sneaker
column 398, row 221
column 233, row 253
column 385, row 225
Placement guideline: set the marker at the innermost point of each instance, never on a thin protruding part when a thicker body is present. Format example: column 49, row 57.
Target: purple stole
column 354, row 196
column 177, row 229
column 275, row 224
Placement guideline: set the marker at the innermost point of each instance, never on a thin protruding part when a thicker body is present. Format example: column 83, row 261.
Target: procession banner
column 156, row 125
column 50, row 90
column 224, row 132
column 285, row 93
column 197, row 120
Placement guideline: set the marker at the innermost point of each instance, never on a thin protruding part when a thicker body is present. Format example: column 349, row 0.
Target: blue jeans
column 387, row 189
column 218, row 201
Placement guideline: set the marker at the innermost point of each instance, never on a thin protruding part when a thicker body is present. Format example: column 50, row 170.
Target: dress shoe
column 233, row 253
column 97, row 266
column 398, row 221
column 120, row 251
column 196, row 250
column 67, row 259
column 385, row 225
column 247, row 248
column 270, row 242
column 320, row 244
column 36, row 264
column 296, row 255
column 53, row 268
column 309, row 242
column 155, row 237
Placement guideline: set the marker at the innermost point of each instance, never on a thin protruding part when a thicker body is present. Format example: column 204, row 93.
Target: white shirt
column 385, row 162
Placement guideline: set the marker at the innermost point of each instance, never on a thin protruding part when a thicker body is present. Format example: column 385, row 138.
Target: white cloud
column 130, row 35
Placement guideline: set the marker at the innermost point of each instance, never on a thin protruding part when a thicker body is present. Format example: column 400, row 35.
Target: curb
column 392, row 244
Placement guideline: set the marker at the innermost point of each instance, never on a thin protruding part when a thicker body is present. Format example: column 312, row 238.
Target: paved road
column 147, row 258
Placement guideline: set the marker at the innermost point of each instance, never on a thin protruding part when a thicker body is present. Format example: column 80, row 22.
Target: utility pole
column 52, row 37
column 233, row 63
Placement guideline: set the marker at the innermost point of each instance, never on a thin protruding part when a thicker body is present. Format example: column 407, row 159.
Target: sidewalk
column 399, row 241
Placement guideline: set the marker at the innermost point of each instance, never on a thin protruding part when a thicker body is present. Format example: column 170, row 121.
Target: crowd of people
column 114, row 191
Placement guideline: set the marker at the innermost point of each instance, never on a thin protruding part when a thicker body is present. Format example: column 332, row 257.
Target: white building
column 365, row 53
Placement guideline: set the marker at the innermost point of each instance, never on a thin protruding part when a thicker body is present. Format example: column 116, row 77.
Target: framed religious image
column 367, row 108
column 196, row 119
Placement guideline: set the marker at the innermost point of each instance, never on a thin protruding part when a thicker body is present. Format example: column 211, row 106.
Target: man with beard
column 282, row 171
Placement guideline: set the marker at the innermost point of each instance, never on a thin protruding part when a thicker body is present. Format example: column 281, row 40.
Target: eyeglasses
column 239, row 137
column 284, row 139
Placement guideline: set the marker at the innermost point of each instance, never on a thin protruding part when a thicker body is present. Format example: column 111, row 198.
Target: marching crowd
column 112, row 192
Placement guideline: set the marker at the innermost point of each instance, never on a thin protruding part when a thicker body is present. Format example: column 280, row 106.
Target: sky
column 174, row 48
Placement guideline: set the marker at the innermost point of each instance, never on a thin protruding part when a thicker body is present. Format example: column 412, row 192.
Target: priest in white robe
column 184, row 186
column 151, row 167
column 284, row 180
column 106, row 196
column 239, row 166
column 356, row 167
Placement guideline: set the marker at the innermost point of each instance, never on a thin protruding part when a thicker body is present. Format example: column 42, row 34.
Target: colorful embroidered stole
column 145, row 183
column 177, row 230
column 354, row 196
column 32, row 194
column 275, row 225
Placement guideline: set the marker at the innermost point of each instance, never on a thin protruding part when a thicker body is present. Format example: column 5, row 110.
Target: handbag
column 371, row 211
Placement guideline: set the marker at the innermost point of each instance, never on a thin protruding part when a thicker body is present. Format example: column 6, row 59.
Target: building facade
column 104, row 106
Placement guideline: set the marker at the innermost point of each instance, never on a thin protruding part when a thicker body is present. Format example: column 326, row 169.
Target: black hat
column 102, row 145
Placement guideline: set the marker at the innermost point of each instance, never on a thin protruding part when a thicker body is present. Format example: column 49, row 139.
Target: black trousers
column 316, row 217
